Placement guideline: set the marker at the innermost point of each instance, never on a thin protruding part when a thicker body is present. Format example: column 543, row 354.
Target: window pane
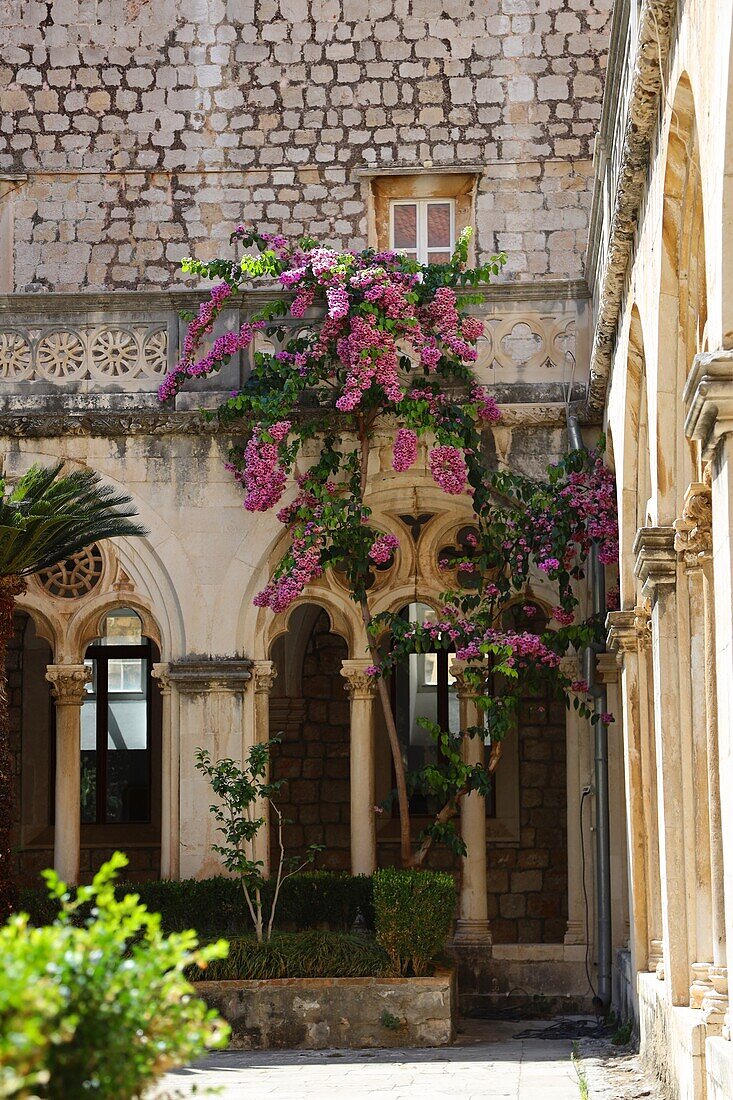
column 439, row 257
column 405, row 225
column 89, row 758
column 127, row 793
column 439, row 225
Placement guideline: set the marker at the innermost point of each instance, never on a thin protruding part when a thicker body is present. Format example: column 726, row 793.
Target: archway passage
column 32, row 748
column 309, row 710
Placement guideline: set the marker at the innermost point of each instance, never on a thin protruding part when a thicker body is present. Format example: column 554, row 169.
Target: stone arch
column 682, row 302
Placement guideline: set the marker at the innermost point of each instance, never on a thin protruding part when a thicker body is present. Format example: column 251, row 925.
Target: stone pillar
column 708, row 400
column 656, row 567
column 212, row 714
column 169, row 777
column 694, row 544
column 574, row 727
column 67, row 686
column 362, row 692
column 624, row 639
column 472, row 926
column 607, row 673
column 264, row 673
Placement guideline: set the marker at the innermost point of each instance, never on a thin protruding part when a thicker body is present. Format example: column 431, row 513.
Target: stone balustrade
column 91, row 352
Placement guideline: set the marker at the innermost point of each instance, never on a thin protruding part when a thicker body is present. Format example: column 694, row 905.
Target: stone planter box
column 314, row 1013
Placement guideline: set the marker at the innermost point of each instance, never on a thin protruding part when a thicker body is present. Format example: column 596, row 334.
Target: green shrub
column 314, row 954
column 215, row 906
column 413, row 912
column 99, row 1005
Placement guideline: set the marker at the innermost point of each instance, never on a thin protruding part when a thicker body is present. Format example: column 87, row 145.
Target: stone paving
column 488, row 1063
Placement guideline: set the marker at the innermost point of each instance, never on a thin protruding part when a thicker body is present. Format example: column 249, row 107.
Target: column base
column 473, row 932
column 575, row 933
column 701, row 985
column 715, row 1006
column 656, row 955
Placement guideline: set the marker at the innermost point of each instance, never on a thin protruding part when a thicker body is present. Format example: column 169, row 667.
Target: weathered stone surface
column 314, row 1013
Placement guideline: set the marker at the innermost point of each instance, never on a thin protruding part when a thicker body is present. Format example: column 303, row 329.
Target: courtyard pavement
column 488, row 1063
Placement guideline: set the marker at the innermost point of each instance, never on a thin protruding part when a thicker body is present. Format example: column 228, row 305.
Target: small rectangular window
column 423, row 229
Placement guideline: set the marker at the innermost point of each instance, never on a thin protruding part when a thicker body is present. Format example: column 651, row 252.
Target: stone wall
column 147, row 129
column 314, row 757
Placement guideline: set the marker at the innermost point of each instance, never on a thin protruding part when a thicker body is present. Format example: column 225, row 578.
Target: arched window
column 423, row 688
column 116, row 724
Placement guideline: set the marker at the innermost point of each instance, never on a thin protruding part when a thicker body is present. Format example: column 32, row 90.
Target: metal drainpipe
column 603, row 831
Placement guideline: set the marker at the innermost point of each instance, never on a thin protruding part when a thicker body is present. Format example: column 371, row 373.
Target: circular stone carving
column 15, row 356
column 114, row 353
column 155, row 352
column 75, row 575
column 60, row 355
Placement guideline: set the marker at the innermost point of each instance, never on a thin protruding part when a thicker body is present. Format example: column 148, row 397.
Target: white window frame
column 423, row 252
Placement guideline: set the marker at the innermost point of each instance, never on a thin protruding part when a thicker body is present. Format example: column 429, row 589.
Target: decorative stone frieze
column 197, row 675
column 68, row 683
column 656, row 559
column 708, row 398
column 103, row 353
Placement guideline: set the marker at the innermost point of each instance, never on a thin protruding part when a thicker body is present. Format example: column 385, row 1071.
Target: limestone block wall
column 140, row 132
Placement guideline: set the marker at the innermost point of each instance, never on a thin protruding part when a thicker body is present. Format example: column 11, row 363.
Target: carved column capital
column 466, row 688
column 621, row 636
column 264, row 674
column 570, row 666
column 68, row 683
column 607, row 668
column 359, row 684
column 656, row 558
column 694, row 528
column 708, row 398
column 161, row 672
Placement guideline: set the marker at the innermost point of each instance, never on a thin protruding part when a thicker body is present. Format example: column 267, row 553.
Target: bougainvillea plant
column 385, row 343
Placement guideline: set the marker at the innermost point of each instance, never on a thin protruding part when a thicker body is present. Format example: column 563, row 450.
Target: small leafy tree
column 97, row 1004
column 391, row 348
column 243, row 790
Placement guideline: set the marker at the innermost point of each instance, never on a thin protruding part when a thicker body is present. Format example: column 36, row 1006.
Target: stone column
column 472, row 926
column 575, row 933
column 607, row 673
column 212, row 714
column 362, row 692
column 169, row 768
column 67, row 685
column 264, row 673
column 656, row 567
column 708, row 400
column 694, row 544
column 624, row 640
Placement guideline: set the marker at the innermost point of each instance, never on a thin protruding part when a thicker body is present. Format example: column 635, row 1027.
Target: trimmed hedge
column 313, row 954
column 216, row 906
column 413, row 913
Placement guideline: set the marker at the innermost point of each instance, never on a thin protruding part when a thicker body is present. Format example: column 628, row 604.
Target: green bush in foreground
column 101, row 1008
column 313, row 954
column 214, row 906
column 413, row 913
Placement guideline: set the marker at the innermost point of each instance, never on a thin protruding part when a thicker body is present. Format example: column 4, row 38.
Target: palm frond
column 48, row 516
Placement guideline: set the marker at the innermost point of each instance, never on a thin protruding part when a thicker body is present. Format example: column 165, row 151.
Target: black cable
column 583, row 796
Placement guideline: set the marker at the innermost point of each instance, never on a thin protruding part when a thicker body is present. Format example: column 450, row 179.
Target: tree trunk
column 10, row 587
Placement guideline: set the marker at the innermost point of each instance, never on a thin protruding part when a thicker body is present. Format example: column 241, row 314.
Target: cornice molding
column 197, row 675
column 43, row 425
column 708, row 399
column 56, row 304
column 656, row 557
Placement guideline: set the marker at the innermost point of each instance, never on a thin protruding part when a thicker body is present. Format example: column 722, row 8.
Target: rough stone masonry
column 147, row 128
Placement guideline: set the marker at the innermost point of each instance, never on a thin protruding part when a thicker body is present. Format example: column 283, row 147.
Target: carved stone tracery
column 53, row 353
column 74, row 576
